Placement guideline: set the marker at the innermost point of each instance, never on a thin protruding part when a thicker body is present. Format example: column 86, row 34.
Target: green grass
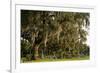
column 55, row 60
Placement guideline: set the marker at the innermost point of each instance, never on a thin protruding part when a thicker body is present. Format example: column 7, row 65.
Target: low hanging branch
column 46, row 39
column 58, row 32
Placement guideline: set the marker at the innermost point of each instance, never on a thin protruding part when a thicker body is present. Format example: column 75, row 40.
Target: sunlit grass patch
column 56, row 60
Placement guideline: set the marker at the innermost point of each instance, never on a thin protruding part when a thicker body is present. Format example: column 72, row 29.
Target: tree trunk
column 69, row 53
column 78, row 53
column 42, row 54
column 36, row 54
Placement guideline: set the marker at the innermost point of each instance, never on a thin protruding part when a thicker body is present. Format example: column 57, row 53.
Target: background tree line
column 53, row 34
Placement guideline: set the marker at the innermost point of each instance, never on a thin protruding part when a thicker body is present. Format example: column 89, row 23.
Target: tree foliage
column 54, row 34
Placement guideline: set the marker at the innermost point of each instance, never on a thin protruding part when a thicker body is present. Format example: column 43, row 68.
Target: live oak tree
column 55, row 34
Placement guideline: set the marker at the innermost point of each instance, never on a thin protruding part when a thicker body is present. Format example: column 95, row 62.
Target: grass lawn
column 53, row 60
